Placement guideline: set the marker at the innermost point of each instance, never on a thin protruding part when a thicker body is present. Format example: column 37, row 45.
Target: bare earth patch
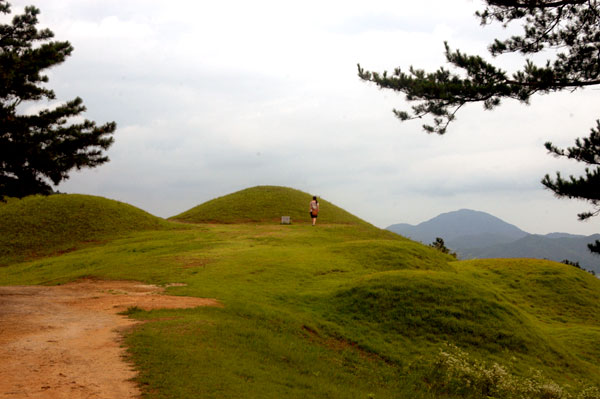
column 64, row 341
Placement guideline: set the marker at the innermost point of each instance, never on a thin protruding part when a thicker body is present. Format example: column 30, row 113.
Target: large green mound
column 435, row 307
column 40, row 225
column 265, row 204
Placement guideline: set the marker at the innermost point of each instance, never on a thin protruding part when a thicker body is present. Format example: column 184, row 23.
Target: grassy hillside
column 343, row 310
column 264, row 204
column 41, row 225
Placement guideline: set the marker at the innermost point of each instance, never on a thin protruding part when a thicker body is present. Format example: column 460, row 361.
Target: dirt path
column 64, row 341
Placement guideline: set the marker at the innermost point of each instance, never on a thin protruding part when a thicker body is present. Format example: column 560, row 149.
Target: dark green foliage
column 594, row 247
column 586, row 150
column 39, row 149
column 570, row 263
column 441, row 246
column 567, row 29
column 577, row 265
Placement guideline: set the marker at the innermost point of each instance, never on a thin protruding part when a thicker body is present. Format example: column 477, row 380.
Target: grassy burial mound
column 39, row 225
column 264, row 204
column 428, row 308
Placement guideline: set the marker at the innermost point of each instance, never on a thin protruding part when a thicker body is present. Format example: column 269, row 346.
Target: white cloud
column 212, row 97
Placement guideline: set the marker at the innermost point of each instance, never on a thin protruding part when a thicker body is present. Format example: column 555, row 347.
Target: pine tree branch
column 534, row 3
column 557, row 85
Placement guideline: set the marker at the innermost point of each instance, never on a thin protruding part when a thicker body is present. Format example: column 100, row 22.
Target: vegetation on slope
column 264, row 204
column 41, row 225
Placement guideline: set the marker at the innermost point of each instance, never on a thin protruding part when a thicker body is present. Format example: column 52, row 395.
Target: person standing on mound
column 314, row 210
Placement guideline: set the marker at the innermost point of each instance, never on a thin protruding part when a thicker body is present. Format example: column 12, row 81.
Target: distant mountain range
column 475, row 235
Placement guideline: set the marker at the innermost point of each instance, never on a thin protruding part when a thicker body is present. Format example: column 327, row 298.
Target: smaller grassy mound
column 264, row 204
column 39, row 225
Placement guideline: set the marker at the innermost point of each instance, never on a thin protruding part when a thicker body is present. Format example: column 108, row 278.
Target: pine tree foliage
column 37, row 150
column 440, row 245
column 586, row 150
column 569, row 30
column 587, row 187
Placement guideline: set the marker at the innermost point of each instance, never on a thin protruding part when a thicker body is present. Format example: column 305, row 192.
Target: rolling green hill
column 340, row 310
column 41, row 225
column 264, row 204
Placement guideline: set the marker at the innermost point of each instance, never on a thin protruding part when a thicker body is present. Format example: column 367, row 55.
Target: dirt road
column 64, row 341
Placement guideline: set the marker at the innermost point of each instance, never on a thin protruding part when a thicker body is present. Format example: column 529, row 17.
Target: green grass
column 251, row 352
column 341, row 310
column 265, row 204
column 541, row 287
column 41, row 225
column 433, row 307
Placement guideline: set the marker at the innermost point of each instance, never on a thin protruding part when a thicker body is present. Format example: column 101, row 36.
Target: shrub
column 454, row 372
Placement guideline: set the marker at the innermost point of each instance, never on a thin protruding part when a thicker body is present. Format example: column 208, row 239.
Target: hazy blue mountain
column 462, row 229
column 478, row 235
column 571, row 247
column 563, row 235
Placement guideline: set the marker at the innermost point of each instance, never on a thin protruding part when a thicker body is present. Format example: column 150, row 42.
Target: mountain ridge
column 460, row 226
column 480, row 235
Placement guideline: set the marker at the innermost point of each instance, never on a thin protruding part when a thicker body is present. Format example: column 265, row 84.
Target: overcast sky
column 214, row 97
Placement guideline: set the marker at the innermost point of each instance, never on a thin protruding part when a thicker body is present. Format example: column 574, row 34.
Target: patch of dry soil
column 64, row 341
